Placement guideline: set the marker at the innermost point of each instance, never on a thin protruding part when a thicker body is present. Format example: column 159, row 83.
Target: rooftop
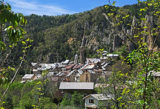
column 28, row 76
column 77, row 85
column 100, row 96
column 92, row 60
column 65, row 62
column 88, row 67
column 33, row 64
column 156, row 74
column 112, row 55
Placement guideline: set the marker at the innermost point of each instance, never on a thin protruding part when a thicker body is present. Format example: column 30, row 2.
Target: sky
column 59, row 7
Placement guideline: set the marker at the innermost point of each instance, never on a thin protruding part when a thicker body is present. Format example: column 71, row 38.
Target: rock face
column 148, row 36
column 83, row 35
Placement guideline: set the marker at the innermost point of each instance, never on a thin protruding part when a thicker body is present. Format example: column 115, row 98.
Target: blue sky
column 59, row 7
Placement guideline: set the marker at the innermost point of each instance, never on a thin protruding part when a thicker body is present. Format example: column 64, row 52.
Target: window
column 91, row 101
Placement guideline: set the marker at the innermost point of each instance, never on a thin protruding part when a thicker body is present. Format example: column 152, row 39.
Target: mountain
column 61, row 36
column 57, row 38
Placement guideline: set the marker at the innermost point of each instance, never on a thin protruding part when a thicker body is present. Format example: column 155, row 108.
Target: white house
column 27, row 77
column 155, row 74
column 30, row 77
column 93, row 101
column 92, row 60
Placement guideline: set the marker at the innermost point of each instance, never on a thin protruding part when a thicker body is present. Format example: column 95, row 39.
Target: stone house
column 27, row 77
column 71, row 76
column 94, row 101
column 88, row 76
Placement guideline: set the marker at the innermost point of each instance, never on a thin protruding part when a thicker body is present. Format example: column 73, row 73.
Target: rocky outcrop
column 86, row 33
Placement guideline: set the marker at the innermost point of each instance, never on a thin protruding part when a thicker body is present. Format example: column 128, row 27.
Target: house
column 89, row 66
column 113, row 56
column 77, row 86
column 65, row 62
column 38, row 68
column 92, row 60
column 33, row 64
column 71, row 76
column 94, row 101
column 35, row 71
column 38, row 76
column 155, row 74
column 88, row 76
column 30, row 77
column 91, row 72
column 78, row 74
column 27, row 77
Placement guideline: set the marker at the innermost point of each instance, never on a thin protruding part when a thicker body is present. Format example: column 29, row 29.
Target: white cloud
column 28, row 8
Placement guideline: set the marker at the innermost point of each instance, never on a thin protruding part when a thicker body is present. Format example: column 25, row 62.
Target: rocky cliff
column 61, row 37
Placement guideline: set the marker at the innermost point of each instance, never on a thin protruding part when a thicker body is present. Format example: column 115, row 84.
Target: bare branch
column 4, row 93
column 7, row 55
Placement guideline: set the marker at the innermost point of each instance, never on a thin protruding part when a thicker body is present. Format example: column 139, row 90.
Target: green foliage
column 140, row 84
column 27, row 96
column 76, row 100
column 11, row 34
column 8, row 103
column 15, row 21
column 66, row 100
column 100, row 52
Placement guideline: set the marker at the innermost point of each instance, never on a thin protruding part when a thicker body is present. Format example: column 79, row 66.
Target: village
column 69, row 76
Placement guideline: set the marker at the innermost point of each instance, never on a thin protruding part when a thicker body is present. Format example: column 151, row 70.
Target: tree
column 144, row 58
column 11, row 34
column 8, row 103
column 77, row 99
column 74, row 100
column 66, row 100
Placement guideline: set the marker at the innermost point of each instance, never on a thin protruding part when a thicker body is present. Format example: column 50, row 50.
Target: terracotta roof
column 70, row 66
column 78, row 66
column 88, row 67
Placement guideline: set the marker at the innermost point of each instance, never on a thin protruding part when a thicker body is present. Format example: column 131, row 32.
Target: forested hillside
column 62, row 35
column 57, row 38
